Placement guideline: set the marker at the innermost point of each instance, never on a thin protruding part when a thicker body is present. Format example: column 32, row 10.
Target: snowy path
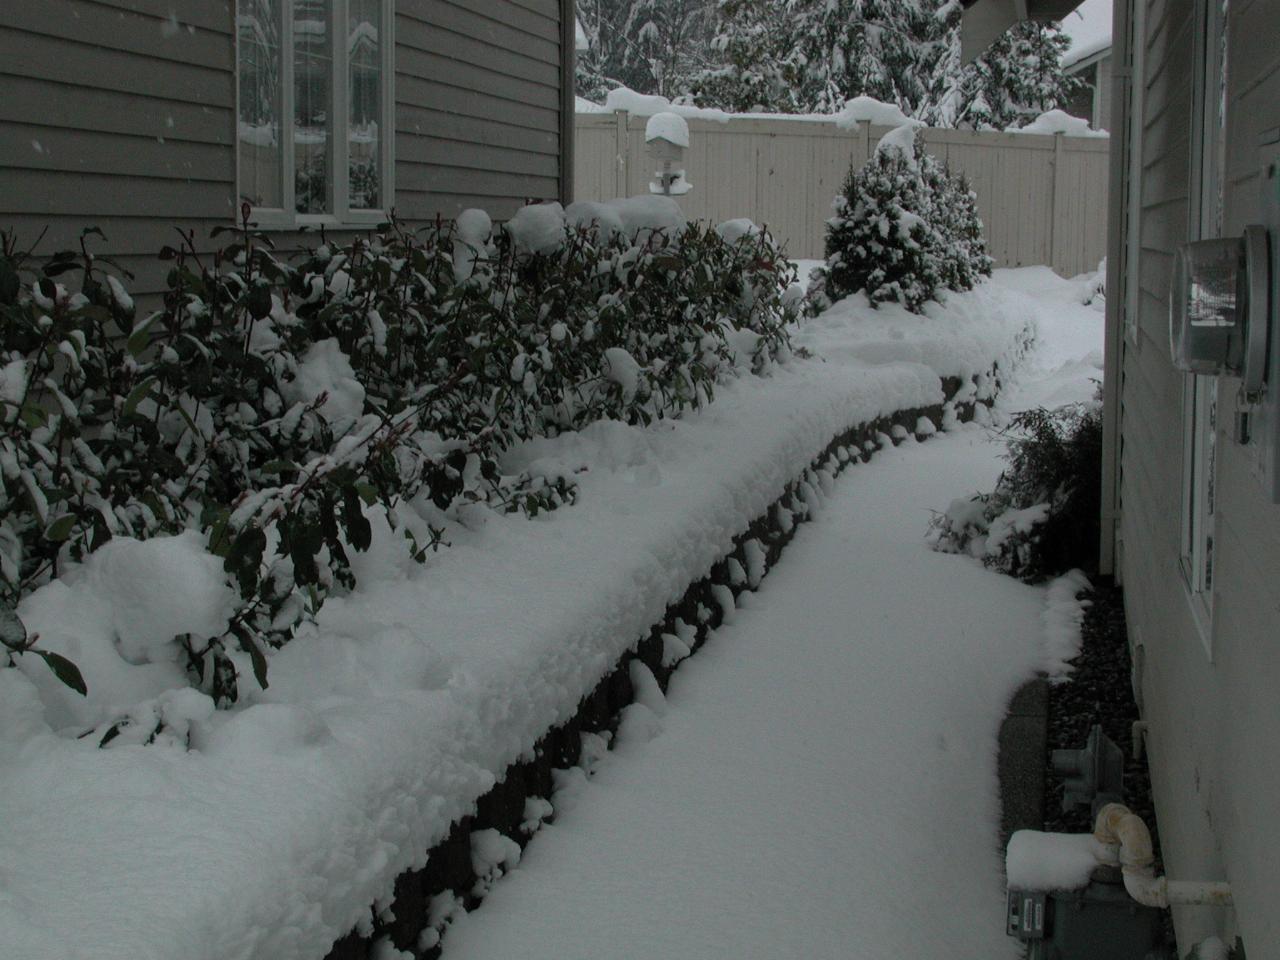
column 822, row 783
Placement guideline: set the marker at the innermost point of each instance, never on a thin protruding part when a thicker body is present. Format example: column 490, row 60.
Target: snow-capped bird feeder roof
column 985, row 20
column 670, row 127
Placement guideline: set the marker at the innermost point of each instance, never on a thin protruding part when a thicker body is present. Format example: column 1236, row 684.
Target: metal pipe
column 1118, row 826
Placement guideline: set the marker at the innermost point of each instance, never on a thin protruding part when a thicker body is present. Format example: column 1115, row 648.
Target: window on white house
column 315, row 103
column 1200, row 393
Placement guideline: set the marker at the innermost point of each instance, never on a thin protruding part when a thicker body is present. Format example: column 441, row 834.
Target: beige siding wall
column 112, row 118
column 478, row 105
column 1043, row 199
column 109, row 122
column 1212, row 696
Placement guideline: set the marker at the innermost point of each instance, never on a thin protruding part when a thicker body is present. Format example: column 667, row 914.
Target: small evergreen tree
column 903, row 227
column 881, row 238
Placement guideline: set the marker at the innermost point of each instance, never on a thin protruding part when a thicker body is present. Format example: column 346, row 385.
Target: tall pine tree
column 651, row 46
column 799, row 56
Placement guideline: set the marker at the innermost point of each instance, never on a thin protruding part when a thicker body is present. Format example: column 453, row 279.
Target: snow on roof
column 1088, row 27
column 1058, row 121
column 667, row 126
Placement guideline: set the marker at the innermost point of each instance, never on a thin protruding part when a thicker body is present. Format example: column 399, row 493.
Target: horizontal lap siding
column 1212, row 706
column 1151, row 456
column 1247, row 634
column 116, row 116
column 121, row 114
column 478, row 105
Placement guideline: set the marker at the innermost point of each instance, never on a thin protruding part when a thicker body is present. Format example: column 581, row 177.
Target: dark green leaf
column 250, row 646
column 245, row 558
column 61, row 528
column 359, row 530
column 136, row 395
column 13, row 633
column 258, row 301
column 10, row 284
column 64, row 670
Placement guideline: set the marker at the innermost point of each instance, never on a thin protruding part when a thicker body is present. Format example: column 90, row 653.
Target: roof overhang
column 985, row 20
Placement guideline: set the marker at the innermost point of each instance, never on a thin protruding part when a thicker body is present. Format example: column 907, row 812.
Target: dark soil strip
column 1099, row 692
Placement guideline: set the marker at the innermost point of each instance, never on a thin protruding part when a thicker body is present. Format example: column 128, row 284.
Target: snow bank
column 1058, row 121
column 1062, row 617
column 293, row 813
column 1052, row 861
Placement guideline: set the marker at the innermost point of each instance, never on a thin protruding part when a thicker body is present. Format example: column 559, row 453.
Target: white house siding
column 112, row 118
column 1213, row 701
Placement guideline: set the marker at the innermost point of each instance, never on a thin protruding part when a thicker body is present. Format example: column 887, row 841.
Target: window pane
column 365, row 96
column 312, row 113
column 258, row 27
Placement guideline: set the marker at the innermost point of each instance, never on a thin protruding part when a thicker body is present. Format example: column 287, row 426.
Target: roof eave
column 984, row 21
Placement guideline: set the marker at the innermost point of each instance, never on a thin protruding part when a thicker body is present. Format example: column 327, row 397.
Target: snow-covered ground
column 820, row 781
column 290, row 815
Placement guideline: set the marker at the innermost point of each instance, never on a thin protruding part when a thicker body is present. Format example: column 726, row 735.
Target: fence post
column 622, row 147
column 1057, row 203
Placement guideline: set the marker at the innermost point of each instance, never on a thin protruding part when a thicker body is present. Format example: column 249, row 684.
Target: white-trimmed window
column 315, row 111
column 1200, row 393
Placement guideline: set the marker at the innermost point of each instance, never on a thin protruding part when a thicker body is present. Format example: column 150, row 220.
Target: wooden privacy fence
column 1043, row 199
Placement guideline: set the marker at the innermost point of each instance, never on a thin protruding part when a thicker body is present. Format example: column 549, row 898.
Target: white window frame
column 1134, row 133
column 343, row 216
column 1200, row 405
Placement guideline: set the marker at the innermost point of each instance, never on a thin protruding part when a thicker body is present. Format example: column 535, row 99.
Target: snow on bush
column 268, row 419
column 1041, row 520
column 902, row 227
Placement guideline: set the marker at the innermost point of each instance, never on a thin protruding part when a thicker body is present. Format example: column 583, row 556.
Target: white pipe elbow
column 1117, row 825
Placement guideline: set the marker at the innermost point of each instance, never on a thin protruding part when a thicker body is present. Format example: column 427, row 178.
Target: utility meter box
column 1223, row 302
column 1099, row 922
column 1264, row 412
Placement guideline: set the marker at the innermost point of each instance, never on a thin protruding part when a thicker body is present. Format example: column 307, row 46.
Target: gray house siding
column 1212, row 695
column 115, row 115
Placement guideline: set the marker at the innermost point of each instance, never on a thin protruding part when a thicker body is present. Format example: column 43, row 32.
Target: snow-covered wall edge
column 462, row 867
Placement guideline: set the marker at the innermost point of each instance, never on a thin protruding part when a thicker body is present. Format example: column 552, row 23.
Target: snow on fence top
column 856, row 111
column 1058, row 121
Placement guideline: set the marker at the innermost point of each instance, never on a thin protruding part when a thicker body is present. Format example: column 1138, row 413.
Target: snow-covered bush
column 902, row 227
column 1042, row 519
column 964, row 257
column 282, row 409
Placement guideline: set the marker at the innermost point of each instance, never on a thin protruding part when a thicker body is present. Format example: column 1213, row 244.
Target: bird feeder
column 666, row 138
